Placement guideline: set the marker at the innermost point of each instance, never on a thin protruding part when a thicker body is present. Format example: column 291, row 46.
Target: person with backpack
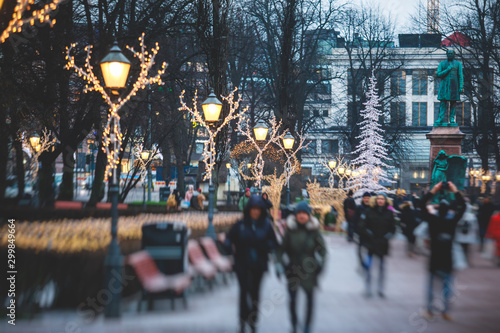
column 441, row 229
column 302, row 256
column 251, row 239
column 408, row 225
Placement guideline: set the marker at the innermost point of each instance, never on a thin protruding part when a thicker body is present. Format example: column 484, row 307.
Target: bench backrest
column 195, row 252
column 144, row 265
column 210, row 247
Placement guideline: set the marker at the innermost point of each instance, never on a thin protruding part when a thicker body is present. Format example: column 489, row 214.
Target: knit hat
column 367, row 194
column 350, row 193
column 303, row 206
column 247, row 189
column 383, row 194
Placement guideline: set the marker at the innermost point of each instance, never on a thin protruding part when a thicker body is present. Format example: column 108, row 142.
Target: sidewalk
column 340, row 305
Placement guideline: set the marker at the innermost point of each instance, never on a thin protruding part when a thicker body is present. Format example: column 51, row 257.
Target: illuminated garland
column 17, row 22
column 291, row 158
column 244, row 128
column 325, row 197
column 344, row 170
column 112, row 136
column 44, row 145
column 209, row 151
column 143, row 167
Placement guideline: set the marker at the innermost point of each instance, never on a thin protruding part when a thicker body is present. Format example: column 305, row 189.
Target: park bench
column 156, row 284
column 68, row 205
column 223, row 264
column 107, row 205
column 201, row 266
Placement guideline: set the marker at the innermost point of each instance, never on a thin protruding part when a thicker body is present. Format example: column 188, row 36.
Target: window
column 307, row 113
column 398, row 83
column 311, row 148
column 398, row 114
column 462, row 112
column 354, row 83
column 446, row 117
column 419, row 82
column 199, row 148
column 419, row 114
column 316, row 113
column 325, row 113
column 353, row 110
column 330, row 147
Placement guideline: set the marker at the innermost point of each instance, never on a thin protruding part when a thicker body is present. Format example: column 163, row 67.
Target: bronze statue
column 449, row 168
column 452, row 85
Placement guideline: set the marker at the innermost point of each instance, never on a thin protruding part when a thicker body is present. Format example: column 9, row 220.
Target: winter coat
column 349, row 209
column 467, row 228
column 302, row 252
column 243, row 202
column 251, row 240
column 200, row 200
column 441, row 233
column 408, row 220
column 361, row 209
column 377, row 226
column 484, row 214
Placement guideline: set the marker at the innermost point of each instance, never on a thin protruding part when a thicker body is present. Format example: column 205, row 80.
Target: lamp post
column 35, row 146
column 228, row 167
column 144, row 157
column 288, row 142
column 115, row 67
column 260, row 131
column 212, row 107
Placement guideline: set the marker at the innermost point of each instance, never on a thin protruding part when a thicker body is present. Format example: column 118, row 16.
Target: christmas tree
column 371, row 150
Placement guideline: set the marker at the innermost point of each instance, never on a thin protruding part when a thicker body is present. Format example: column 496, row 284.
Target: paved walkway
column 340, row 305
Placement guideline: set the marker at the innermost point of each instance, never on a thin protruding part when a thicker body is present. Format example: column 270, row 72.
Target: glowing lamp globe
column 212, row 108
column 144, row 154
column 249, row 165
column 332, row 164
column 260, row 130
column 228, row 165
column 35, row 140
column 288, row 141
column 341, row 171
column 115, row 67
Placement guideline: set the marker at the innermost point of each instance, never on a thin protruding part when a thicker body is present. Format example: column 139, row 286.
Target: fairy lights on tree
column 212, row 130
column 112, row 137
column 291, row 156
column 19, row 19
column 37, row 145
column 139, row 153
column 257, row 169
column 372, row 149
column 341, row 169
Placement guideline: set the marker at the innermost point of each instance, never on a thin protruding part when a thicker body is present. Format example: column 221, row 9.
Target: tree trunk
column 19, row 168
column 46, row 181
column 98, row 187
column 66, row 187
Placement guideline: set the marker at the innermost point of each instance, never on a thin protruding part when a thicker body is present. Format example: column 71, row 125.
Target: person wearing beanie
column 361, row 210
column 302, row 243
column 377, row 226
column 350, row 215
column 244, row 200
column 251, row 240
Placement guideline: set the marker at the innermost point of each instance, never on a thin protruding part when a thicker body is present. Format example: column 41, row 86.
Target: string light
column 17, row 22
column 44, row 144
column 112, row 135
column 291, row 156
column 212, row 132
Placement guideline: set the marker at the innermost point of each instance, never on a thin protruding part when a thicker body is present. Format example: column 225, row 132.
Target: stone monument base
column 446, row 138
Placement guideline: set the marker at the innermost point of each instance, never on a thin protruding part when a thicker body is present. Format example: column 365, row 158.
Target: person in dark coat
column 377, row 226
column 269, row 204
column 484, row 214
column 408, row 224
column 303, row 254
column 442, row 232
column 252, row 239
column 350, row 215
column 361, row 210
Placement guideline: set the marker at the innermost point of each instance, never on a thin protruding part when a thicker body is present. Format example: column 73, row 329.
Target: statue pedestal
column 448, row 139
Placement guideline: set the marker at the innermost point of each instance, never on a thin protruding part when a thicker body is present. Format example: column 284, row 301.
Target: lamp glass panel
column 115, row 74
column 212, row 111
column 260, row 133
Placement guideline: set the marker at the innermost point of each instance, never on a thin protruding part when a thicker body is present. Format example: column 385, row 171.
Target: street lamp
column 249, row 165
column 260, row 130
column 228, row 167
column 332, row 164
column 35, row 140
column 288, row 142
column 341, row 170
column 211, row 110
column 145, row 158
column 115, row 67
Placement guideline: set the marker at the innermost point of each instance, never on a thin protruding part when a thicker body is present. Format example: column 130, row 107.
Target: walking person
column 484, row 213
column 466, row 232
column 377, row 226
column 268, row 203
column 251, row 239
column 408, row 225
column 244, row 200
column 441, row 228
column 361, row 211
column 350, row 215
column 303, row 254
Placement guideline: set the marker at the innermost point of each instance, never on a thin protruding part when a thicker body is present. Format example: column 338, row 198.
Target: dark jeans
column 293, row 306
column 249, row 282
column 447, row 280
column 350, row 230
column 381, row 273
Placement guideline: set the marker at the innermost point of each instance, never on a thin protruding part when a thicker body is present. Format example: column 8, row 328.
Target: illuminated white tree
column 112, row 137
column 372, row 149
column 291, row 156
column 46, row 141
